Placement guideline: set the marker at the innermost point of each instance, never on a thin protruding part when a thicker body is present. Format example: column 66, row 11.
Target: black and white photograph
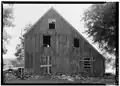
column 59, row 43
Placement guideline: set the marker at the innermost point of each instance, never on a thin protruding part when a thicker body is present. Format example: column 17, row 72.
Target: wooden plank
column 25, row 52
column 41, row 41
column 33, row 49
column 28, row 61
column 37, row 42
column 53, row 45
column 87, row 60
column 32, row 60
column 67, row 45
column 29, row 43
column 45, row 65
column 57, row 44
column 61, row 50
column 37, row 62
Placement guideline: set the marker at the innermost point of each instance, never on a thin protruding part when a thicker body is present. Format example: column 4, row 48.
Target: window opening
column 46, row 41
column 52, row 25
column 76, row 42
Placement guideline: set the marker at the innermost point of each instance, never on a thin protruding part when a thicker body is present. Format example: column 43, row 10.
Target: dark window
column 87, row 58
column 52, row 25
column 87, row 63
column 86, row 67
column 76, row 42
column 46, row 40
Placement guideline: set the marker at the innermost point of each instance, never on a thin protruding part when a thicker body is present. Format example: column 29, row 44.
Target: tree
column 8, row 17
column 20, row 49
column 100, row 20
column 7, row 22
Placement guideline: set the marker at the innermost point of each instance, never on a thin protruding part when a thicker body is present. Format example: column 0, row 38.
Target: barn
column 52, row 45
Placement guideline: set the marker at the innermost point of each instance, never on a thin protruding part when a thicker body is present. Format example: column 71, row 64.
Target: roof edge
column 78, row 32
column 37, row 21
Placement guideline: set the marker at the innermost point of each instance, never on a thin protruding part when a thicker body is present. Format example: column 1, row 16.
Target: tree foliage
column 8, row 17
column 20, row 47
column 100, row 20
column 7, row 22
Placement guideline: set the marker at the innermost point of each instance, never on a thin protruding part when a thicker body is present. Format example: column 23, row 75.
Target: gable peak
column 52, row 9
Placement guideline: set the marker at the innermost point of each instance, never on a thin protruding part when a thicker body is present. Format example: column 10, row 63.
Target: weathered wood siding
column 65, row 57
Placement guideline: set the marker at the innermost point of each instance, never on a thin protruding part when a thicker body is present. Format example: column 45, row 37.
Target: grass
column 50, row 80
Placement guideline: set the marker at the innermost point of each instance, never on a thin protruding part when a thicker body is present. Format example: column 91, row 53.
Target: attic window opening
column 52, row 25
column 76, row 42
column 46, row 41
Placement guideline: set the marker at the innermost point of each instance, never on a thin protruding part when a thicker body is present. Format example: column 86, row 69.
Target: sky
column 30, row 13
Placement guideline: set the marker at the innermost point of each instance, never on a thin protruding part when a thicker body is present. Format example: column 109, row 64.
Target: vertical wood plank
column 57, row 43
column 28, row 60
column 25, row 52
column 33, row 51
column 37, row 42
column 28, row 52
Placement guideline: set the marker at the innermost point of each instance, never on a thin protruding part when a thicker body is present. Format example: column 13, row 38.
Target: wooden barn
column 52, row 45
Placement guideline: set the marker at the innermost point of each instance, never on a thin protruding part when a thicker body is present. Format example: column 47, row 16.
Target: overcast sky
column 30, row 13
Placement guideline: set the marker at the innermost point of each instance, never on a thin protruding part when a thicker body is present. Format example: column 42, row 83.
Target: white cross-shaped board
column 48, row 65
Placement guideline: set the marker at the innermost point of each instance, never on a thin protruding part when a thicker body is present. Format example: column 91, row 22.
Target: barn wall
column 65, row 58
column 99, row 64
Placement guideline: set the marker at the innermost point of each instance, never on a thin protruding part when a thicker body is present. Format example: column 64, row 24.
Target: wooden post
column 48, row 69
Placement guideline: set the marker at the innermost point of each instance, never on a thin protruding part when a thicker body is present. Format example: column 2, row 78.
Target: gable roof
column 37, row 21
column 67, row 23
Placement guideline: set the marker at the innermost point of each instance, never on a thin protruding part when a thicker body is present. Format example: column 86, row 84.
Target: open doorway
column 46, row 40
